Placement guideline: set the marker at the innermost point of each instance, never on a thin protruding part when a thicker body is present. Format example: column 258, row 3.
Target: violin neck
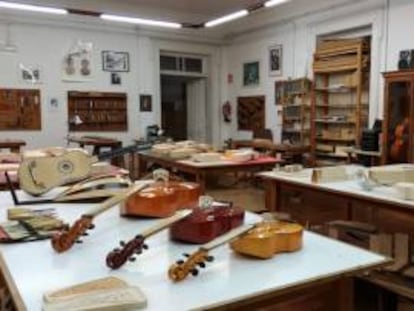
column 227, row 237
column 162, row 224
column 114, row 200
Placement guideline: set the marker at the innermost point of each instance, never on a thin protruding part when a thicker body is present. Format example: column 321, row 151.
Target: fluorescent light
column 226, row 18
column 271, row 3
column 139, row 21
column 33, row 8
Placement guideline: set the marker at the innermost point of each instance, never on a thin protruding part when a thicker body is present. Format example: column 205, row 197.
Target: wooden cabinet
column 295, row 98
column 340, row 101
column 97, row 111
column 398, row 122
column 20, row 109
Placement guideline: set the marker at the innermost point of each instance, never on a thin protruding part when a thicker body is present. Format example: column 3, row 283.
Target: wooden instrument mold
column 64, row 240
column 269, row 238
column 39, row 173
column 182, row 268
column 117, row 257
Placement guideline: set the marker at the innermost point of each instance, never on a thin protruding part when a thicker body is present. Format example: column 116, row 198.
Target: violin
column 269, row 238
column 398, row 150
column 162, row 198
column 64, row 240
column 182, row 268
column 119, row 256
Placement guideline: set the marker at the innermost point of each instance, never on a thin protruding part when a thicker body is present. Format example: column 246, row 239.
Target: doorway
column 183, row 107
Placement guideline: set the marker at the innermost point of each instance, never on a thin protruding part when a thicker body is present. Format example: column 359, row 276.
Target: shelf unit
column 340, row 97
column 295, row 98
column 97, row 111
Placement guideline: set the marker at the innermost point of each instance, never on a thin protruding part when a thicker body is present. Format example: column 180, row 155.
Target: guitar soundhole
column 65, row 167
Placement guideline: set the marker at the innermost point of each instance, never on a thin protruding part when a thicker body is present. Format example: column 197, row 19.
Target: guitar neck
column 114, row 200
column 226, row 237
column 121, row 151
column 162, row 224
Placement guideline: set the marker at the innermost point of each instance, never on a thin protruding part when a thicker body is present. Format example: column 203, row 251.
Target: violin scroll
column 181, row 269
column 119, row 256
column 64, row 240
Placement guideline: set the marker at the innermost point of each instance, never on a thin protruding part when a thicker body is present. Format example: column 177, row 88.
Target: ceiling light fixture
column 272, row 3
column 139, row 21
column 227, row 18
column 32, row 8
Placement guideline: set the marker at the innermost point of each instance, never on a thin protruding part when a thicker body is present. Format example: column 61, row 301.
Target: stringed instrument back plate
column 269, row 238
column 205, row 224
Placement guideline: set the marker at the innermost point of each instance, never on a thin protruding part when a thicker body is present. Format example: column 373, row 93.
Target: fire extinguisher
column 226, row 109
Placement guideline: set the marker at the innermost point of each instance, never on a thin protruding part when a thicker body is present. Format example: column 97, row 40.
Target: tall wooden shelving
column 340, row 97
column 295, row 98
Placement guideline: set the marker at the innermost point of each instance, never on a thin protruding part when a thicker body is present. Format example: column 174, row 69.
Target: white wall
column 298, row 37
column 46, row 44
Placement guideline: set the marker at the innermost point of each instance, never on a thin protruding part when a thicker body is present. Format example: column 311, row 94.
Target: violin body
column 269, row 238
column 205, row 224
column 161, row 199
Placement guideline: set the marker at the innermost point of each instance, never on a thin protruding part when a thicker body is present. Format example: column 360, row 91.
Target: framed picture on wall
column 115, row 61
column 251, row 73
column 145, row 103
column 275, row 59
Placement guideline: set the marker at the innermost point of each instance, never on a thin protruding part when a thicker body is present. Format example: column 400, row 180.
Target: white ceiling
column 182, row 11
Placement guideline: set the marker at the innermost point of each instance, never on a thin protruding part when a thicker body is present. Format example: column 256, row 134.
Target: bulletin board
column 20, row 109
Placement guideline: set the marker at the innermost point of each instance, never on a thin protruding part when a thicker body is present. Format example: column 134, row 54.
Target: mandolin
column 119, row 256
column 269, row 238
column 182, row 268
column 64, row 240
column 39, row 174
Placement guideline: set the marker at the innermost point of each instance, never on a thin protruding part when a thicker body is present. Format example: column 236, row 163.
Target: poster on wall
column 77, row 63
column 30, row 73
column 251, row 74
column 275, row 60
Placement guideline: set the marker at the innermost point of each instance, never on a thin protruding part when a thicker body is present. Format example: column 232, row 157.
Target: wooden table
column 12, row 145
column 98, row 144
column 374, row 156
column 319, row 274
column 317, row 204
column 290, row 153
column 201, row 170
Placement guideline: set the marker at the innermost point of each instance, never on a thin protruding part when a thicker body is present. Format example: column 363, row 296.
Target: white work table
column 34, row 268
column 351, row 187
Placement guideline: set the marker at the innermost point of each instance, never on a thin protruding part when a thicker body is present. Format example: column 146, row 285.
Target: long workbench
column 318, row 275
column 200, row 170
column 317, row 203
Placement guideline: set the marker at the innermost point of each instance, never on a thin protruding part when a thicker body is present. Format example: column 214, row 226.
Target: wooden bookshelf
column 295, row 98
column 340, row 96
column 97, row 111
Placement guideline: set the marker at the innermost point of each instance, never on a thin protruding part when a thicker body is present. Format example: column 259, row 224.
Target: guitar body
column 269, row 238
column 39, row 174
column 205, row 224
column 162, row 199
